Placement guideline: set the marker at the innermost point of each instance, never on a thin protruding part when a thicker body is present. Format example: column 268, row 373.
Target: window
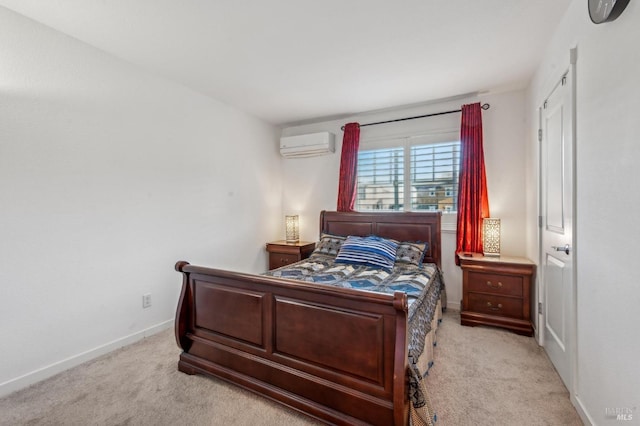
column 429, row 164
column 380, row 179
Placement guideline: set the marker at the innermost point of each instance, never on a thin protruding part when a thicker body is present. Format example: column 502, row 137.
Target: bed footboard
column 338, row 355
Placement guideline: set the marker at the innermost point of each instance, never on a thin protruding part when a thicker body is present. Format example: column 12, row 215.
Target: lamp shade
column 292, row 228
column 491, row 236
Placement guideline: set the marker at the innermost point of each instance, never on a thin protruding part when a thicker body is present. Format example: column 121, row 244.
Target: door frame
column 570, row 72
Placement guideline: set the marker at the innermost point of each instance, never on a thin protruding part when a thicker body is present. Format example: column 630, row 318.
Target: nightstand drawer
column 282, row 253
column 509, row 285
column 495, row 305
column 276, row 260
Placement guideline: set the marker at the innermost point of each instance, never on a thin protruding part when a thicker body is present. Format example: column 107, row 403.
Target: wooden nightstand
column 282, row 253
column 497, row 291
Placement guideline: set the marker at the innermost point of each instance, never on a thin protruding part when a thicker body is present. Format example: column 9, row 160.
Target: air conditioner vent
column 308, row 145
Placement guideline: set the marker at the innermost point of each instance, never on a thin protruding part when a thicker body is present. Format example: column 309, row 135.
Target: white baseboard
column 582, row 412
column 453, row 306
column 51, row 370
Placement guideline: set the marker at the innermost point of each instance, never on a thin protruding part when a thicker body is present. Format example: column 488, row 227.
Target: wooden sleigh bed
column 336, row 354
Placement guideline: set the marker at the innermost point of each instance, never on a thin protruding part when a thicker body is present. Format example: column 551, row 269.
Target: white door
column 556, row 320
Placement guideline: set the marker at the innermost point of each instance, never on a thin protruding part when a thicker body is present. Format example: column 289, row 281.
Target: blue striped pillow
column 371, row 251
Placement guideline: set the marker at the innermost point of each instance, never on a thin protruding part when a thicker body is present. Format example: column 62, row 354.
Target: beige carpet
column 490, row 376
column 482, row 376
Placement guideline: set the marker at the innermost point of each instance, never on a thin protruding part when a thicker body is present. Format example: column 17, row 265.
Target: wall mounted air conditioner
column 308, row 145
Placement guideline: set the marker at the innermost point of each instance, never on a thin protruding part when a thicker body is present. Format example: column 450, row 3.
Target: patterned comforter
column 422, row 284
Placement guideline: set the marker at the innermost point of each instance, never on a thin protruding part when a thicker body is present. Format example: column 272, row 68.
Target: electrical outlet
column 146, row 300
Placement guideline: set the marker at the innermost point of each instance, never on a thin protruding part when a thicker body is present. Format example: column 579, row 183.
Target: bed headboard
column 401, row 226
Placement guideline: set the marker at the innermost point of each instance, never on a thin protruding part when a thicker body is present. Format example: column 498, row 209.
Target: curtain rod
column 484, row 107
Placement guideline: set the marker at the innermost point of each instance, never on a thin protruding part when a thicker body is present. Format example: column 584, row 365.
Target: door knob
column 566, row 248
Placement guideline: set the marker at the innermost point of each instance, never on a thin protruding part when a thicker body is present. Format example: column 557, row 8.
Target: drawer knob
column 494, row 308
column 492, row 285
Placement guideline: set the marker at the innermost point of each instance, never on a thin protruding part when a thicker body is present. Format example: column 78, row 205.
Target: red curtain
column 348, row 168
column 473, row 200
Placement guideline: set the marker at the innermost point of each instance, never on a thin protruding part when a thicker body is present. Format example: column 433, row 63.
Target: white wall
column 311, row 184
column 607, row 209
column 108, row 176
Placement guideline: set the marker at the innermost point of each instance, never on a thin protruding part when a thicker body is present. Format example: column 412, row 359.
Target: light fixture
column 491, row 236
column 292, row 228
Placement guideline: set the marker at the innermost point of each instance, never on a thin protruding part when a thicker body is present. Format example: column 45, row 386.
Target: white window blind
column 430, row 165
column 380, row 179
column 434, row 176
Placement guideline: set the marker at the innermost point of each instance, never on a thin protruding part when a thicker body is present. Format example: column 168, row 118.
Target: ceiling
column 294, row 61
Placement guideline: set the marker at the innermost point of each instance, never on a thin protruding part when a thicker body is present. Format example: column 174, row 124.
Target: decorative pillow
column 329, row 245
column 371, row 251
column 411, row 253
